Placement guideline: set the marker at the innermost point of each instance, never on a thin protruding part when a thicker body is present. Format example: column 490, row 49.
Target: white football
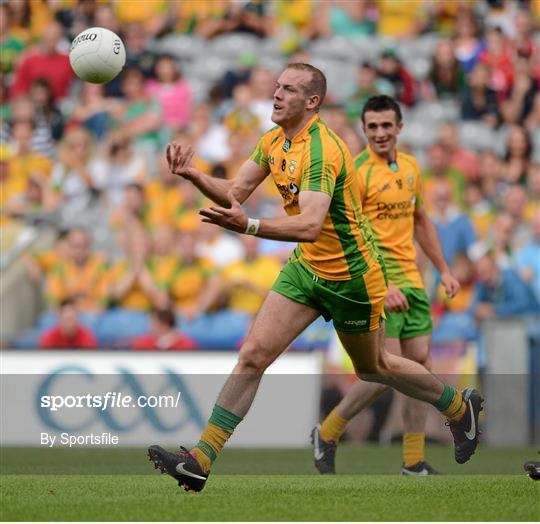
column 97, row 55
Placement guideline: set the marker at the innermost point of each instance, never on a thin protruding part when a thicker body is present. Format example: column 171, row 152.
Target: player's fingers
column 168, row 155
column 189, row 155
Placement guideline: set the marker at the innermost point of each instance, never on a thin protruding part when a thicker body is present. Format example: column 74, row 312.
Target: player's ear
column 400, row 126
column 313, row 102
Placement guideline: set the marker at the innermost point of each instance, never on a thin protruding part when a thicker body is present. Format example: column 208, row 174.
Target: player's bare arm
column 304, row 227
column 249, row 176
column 426, row 235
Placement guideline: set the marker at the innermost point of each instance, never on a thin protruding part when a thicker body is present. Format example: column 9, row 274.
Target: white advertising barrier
column 135, row 399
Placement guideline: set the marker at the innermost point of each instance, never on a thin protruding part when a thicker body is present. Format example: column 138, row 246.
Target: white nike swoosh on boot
column 317, row 452
column 180, row 469
column 471, row 434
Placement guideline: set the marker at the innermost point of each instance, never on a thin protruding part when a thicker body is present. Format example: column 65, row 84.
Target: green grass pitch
column 267, row 485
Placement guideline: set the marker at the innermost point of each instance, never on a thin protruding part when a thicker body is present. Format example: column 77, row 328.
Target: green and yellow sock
column 413, row 448
column 220, row 427
column 333, row 426
column 451, row 404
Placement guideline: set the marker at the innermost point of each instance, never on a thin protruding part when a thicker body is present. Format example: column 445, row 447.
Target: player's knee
column 376, row 370
column 252, row 359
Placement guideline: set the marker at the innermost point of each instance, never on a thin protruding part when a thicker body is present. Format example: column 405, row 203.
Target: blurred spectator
column 401, row 18
column 455, row 229
column 293, row 23
column 392, row 70
column 520, row 102
column 131, row 285
column 94, row 111
column 105, row 16
column 368, row 84
column 77, row 17
column 498, row 242
column 43, row 99
column 11, row 45
column 445, row 14
column 119, row 166
column 523, row 38
column 246, row 17
column 136, row 37
column 71, row 180
column 28, row 19
column 528, row 258
column 497, row 57
column 515, row 204
column 518, row 155
column 500, row 293
column 194, row 287
column 239, row 73
column 45, row 62
column 352, row 140
column 140, row 117
column 446, row 76
column 241, row 120
column 28, row 205
column 210, row 139
column 194, row 17
column 172, row 91
column 25, row 162
column 133, row 211
column 220, row 247
column 479, row 101
column 461, row 158
column 491, row 176
column 163, row 334
column 246, row 282
column 439, row 169
column 467, row 44
column 479, row 209
column 533, row 188
column 80, row 275
column 261, row 82
column 68, row 333
column 532, row 122
column 344, row 18
column 42, row 142
column 39, row 263
column 148, row 15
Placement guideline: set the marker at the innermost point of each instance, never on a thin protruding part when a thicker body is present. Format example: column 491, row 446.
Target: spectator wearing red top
column 163, row 334
column 45, row 62
column 68, row 333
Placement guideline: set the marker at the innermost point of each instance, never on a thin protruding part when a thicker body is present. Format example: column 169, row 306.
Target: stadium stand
column 72, row 154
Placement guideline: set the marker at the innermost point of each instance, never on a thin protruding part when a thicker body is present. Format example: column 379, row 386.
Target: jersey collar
column 304, row 132
column 381, row 160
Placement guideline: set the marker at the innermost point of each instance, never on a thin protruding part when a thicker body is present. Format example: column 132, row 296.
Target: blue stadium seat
column 116, row 326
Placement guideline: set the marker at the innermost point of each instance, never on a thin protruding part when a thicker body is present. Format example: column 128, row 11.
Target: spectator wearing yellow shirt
column 130, row 283
column 246, row 282
column 80, row 275
column 195, row 284
column 150, row 13
column 241, row 119
column 25, row 163
column 401, row 18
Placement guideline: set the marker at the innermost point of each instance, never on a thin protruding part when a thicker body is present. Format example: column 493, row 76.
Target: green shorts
column 355, row 306
column 414, row 322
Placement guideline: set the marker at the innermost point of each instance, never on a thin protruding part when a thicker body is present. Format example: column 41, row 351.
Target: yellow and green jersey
column 390, row 194
column 316, row 159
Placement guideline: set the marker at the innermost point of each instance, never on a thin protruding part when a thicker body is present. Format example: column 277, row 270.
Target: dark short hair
column 165, row 316
column 317, row 84
column 382, row 103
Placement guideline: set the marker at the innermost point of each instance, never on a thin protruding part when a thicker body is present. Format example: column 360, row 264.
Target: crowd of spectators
column 131, row 254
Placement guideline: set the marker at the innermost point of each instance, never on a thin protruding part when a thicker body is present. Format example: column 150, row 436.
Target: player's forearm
column 215, row 189
column 296, row 228
column 426, row 235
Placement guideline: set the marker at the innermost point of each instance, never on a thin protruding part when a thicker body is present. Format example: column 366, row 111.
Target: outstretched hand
column 179, row 159
column 232, row 218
